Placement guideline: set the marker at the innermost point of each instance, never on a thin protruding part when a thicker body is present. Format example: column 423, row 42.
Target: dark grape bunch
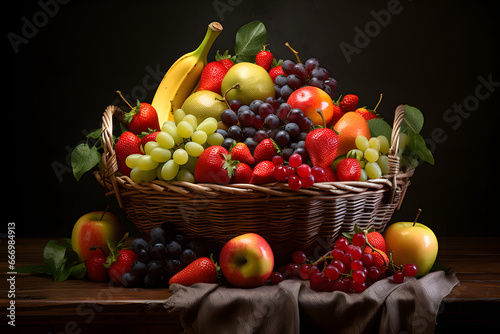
column 299, row 74
column 162, row 256
column 259, row 120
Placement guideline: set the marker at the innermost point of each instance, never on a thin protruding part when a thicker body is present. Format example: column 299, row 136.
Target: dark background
column 431, row 55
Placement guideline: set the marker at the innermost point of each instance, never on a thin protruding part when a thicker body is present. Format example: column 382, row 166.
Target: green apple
column 412, row 242
column 94, row 229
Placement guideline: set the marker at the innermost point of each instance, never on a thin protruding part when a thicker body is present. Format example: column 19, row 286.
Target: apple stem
column 120, row 93
column 105, row 211
column 294, row 52
column 418, row 214
column 379, row 100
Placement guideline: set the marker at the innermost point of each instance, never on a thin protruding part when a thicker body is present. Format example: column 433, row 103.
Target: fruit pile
column 357, row 260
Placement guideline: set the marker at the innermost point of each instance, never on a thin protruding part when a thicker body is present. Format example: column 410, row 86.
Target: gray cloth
column 292, row 306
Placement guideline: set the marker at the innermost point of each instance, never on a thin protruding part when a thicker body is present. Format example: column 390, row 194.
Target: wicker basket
column 307, row 219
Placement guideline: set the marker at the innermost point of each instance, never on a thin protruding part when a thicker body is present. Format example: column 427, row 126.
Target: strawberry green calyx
column 229, row 165
column 114, row 250
column 133, row 111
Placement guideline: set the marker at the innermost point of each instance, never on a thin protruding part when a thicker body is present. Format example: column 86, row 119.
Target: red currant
column 355, row 251
column 358, row 276
column 275, row 277
column 277, row 160
column 398, row 277
column 359, row 239
column 332, row 272
column 294, row 182
column 280, row 173
column 409, row 270
column 318, row 173
column 304, row 170
column 307, row 181
column 299, row 257
column 295, row 160
column 341, row 243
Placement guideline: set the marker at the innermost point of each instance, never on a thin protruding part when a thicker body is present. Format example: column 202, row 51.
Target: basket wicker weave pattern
column 307, row 219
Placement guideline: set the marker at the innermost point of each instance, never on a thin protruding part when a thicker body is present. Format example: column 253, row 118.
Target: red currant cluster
column 351, row 266
column 298, row 174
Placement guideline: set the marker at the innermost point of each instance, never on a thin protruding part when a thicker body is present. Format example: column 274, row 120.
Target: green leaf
column 249, row 41
column 36, row 269
column 378, row 127
column 417, row 149
column 413, row 120
column 83, row 159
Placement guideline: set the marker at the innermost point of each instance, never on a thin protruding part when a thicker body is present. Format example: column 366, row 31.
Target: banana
column 183, row 76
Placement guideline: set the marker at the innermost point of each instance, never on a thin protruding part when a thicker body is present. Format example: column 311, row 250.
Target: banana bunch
column 183, row 76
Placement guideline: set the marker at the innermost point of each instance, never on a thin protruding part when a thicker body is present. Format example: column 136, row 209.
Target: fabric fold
column 292, row 306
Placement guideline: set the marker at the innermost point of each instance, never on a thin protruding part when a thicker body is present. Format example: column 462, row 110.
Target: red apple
column 412, row 242
column 246, row 261
column 94, row 229
column 309, row 99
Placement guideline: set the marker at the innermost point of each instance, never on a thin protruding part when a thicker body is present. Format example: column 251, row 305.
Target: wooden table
column 80, row 306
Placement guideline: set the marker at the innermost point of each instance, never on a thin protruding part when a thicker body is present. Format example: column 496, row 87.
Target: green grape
column 191, row 119
column 371, row 154
column 190, row 165
column 160, row 154
column 178, row 115
column 158, row 171
column 145, row 162
column 171, row 129
column 362, row 163
column 383, row 162
column 136, row 175
column 149, row 175
column 185, row 175
column 180, row 156
column 214, row 139
column 193, row 149
column 384, row 144
column 149, row 146
column 167, row 125
column 363, row 176
column 356, row 154
column 209, row 125
column 169, row 170
column 374, row 143
column 199, row 137
column 165, row 140
column 403, row 140
column 131, row 160
column 361, row 143
column 185, row 129
column 373, row 170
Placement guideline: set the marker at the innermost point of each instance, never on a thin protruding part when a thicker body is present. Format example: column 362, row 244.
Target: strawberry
column 211, row 77
column 263, row 172
column 151, row 136
column 348, row 169
column 376, row 240
column 337, row 114
column 227, row 63
column 265, row 150
column 242, row 173
column 264, row 58
column 142, row 118
column 120, row 264
column 95, row 266
column 275, row 71
column 380, row 258
column 201, row 270
column 214, row 165
column 242, row 153
column 349, row 103
column 321, row 146
column 127, row 144
column 366, row 113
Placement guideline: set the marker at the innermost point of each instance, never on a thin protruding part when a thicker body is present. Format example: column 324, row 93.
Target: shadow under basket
column 305, row 219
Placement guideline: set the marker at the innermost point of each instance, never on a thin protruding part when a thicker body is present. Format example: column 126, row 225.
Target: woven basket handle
column 393, row 157
column 109, row 156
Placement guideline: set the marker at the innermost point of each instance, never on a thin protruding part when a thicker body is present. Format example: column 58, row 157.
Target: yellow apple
column 412, row 242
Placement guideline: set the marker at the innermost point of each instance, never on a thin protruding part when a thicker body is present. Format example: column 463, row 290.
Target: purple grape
column 260, row 135
column 229, row 117
column 295, row 115
column 234, row 132
column 311, row 64
column 254, row 105
column 287, row 66
column 235, row 104
column 280, row 80
column 300, row 70
column 265, row 109
column 272, row 121
column 294, row 81
column 282, row 138
column 292, row 129
column 246, row 117
column 282, row 111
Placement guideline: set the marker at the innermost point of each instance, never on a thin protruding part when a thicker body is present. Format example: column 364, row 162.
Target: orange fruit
column 349, row 127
